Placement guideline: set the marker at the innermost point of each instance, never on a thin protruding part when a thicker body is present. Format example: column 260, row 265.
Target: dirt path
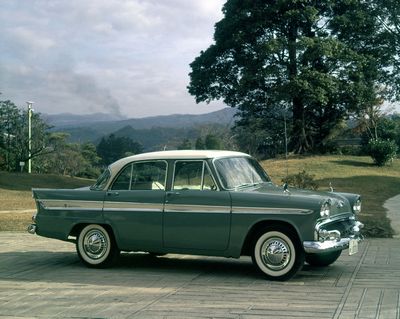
column 17, row 211
column 393, row 213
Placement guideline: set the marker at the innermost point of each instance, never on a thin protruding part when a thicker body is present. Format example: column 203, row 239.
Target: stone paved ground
column 43, row 278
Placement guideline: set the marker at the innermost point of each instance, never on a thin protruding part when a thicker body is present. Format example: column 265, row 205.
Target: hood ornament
column 330, row 186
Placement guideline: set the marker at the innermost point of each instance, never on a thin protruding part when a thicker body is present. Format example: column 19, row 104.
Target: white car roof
column 180, row 154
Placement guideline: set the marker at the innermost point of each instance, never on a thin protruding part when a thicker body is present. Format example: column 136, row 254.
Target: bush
column 301, row 180
column 382, row 151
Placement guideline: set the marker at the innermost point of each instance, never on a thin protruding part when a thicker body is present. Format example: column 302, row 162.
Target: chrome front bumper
column 331, row 240
column 313, row 247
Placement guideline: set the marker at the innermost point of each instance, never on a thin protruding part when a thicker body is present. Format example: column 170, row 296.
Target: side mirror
column 286, row 188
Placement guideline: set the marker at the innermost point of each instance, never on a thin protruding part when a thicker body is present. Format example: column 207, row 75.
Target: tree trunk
column 299, row 143
column 299, row 140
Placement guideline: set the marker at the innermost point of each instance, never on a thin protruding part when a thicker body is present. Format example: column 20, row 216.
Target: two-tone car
column 214, row 203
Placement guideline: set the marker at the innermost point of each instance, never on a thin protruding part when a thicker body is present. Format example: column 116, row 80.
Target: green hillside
column 352, row 174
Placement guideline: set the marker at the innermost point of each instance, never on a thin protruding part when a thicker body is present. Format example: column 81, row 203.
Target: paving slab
column 43, row 278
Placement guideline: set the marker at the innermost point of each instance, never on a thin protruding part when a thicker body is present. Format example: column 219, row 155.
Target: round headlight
column 325, row 210
column 357, row 206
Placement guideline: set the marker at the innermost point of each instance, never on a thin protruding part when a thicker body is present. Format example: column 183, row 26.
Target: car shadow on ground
column 140, row 269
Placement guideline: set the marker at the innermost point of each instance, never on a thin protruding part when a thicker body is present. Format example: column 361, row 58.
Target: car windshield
column 101, row 181
column 236, row 172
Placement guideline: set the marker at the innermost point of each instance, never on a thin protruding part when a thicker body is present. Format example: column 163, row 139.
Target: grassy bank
column 346, row 173
column 16, row 195
column 349, row 174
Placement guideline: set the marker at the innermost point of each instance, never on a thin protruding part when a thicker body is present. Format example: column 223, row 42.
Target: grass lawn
column 352, row 174
column 16, row 195
column 346, row 173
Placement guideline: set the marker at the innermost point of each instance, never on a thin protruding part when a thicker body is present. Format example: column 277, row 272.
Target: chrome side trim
column 133, row 207
column 177, row 208
column 270, row 210
column 59, row 204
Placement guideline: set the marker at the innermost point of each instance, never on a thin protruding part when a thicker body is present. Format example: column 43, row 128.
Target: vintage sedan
column 217, row 203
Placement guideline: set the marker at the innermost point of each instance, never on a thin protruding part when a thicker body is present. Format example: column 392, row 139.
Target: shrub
column 301, row 180
column 382, row 151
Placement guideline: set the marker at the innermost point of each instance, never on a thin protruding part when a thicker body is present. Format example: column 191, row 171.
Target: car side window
column 123, row 180
column 142, row 176
column 193, row 175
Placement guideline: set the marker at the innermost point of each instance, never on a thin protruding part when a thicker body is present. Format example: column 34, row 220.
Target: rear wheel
column 323, row 259
column 96, row 247
column 277, row 253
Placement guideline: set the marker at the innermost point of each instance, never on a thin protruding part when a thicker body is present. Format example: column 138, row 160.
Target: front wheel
column 96, row 247
column 323, row 259
column 277, row 253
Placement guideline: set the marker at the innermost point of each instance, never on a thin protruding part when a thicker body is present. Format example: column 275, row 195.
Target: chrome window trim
column 139, row 162
column 106, row 170
column 202, row 177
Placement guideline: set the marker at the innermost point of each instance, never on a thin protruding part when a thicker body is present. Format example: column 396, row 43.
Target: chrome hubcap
column 275, row 253
column 95, row 244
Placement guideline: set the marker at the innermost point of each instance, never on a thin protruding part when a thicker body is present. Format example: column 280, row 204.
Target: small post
column 29, row 136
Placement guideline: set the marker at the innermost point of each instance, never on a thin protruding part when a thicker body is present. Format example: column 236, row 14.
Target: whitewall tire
column 96, row 247
column 277, row 253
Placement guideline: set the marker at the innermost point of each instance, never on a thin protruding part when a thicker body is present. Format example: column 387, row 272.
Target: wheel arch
column 258, row 228
column 76, row 229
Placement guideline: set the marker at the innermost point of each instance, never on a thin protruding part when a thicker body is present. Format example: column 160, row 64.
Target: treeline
column 378, row 135
column 53, row 153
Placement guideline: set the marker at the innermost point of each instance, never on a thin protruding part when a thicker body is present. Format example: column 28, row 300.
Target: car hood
column 338, row 201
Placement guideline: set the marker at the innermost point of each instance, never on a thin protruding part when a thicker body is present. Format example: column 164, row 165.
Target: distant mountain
column 67, row 119
column 90, row 128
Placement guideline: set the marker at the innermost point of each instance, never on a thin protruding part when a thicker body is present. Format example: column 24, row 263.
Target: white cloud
column 130, row 56
column 31, row 40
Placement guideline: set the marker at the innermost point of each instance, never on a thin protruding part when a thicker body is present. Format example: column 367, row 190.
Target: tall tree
column 185, row 145
column 322, row 60
column 112, row 148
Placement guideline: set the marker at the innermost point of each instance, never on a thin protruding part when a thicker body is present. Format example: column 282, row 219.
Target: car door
column 197, row 214
column 134, row 205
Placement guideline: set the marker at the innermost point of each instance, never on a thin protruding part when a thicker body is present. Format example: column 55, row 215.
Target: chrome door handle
column 173, row 193
column 112, row 193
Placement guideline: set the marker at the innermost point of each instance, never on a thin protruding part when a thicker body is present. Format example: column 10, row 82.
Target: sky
column 125, row 57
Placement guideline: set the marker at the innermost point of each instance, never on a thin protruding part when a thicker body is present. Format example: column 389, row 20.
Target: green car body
column 195, row 202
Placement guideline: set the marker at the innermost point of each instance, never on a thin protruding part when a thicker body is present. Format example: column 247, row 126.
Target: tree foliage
column 66, row 158
column 185, row 145
column 51, row 152
column 382, row 151
column 112, row 148
column 319, row 60
column 14, row 136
